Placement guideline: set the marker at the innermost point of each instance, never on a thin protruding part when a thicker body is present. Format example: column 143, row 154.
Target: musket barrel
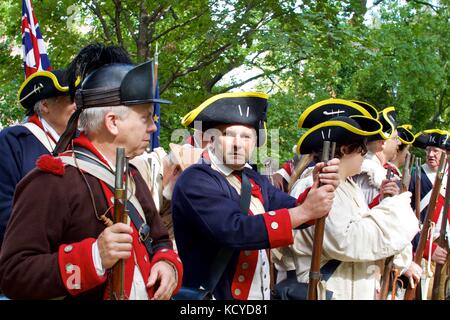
column 442, row 240
column 319, row 229
column 410, row 292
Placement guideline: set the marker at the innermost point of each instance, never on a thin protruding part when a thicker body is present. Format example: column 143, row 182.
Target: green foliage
column 300, row 51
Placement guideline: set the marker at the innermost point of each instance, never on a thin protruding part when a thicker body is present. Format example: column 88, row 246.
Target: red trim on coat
column 244, row 273
column 35, row 119
column 83, row 141
column 437, row 212
column 279, row 227
column 76, row 267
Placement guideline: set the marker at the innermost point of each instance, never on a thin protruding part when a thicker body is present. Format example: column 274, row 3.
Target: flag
column 34, row 53
column 156, row 118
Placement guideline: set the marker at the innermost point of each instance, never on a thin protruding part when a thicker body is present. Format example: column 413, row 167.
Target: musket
column 319, row 229
column 269, row 169
column 417, row 188
column 389, row 262
column 443, row 242
column 120, row 215
column 410, row 292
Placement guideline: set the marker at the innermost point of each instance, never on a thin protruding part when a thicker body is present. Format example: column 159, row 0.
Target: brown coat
column 50, row 210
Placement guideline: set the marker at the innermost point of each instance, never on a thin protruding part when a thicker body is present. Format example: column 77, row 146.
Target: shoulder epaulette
column 48, row 163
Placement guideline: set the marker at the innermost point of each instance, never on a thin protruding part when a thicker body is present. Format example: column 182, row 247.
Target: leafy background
column 300, row 52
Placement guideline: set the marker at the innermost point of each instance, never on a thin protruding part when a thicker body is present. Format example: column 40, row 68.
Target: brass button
column 247, row 252
column 241, row 278
column 272, row 213
column 274, row 225
column 237, row 292
column 244, row 265
column 164, row 250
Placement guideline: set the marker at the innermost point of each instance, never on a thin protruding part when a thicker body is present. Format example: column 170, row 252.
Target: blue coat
column 19, row 150
column 207, row 217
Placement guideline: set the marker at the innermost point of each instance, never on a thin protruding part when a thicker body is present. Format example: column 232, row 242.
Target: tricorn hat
column 247, row 108
column 445, row 140
column 404, row 134
column 388, row 120
column 342, row 130
column 42, row 85
column 330, row 108
column 114, row 84
column 430, row 138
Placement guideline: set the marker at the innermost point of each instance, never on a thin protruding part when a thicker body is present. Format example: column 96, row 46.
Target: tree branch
column 179, row 25
column 96, row 10
column 118, row 5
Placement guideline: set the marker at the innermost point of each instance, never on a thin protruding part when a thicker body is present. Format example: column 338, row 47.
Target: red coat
column 47, row 250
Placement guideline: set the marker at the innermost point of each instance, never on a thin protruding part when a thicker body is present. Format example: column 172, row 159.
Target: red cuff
column 279, row 228
column 427, row 246
column 375, row 202
column 301, row 198
column 76, row 266
column 172, row 257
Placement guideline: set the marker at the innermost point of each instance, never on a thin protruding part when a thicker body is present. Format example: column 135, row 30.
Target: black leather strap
column 222, row 259
column 142, row 227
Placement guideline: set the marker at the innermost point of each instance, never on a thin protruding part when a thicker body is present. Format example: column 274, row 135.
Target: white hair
column 37, row 108
column 92, row 119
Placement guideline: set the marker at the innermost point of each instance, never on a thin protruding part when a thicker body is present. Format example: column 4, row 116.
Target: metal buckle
column 144, row 232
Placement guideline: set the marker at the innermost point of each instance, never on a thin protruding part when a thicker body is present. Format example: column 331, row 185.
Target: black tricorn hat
column 247, row 108
column 42, row 85
column 445, row 140
column 404, row 134
column 342, row 130
column 430, row 138
column 114, row 84
column 330, row 108
column 388, row 120
column 372, row 110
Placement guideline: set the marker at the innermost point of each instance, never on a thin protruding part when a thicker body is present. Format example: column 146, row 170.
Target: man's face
column 433, row 157
column 135, row 128
column 235, row 144
column 57, row 112
column 391, row 146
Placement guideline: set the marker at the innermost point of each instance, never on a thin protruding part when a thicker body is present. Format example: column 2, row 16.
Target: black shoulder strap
column 142, row 227
column 326, row 271
column 223, row 257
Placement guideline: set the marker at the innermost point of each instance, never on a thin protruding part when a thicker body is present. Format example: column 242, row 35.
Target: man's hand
column 327, row 174
column 439, row 255
column 413, row 273
column 278, row 181
column 115, row 243
column 163, row 273
column 388, row 188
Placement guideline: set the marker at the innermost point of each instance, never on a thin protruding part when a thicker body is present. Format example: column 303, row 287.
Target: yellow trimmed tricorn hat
column 247, row 108
column 42, row 85
column 405, row 134
column 430, row 138
column 388, row 119
column 330, row 108
column 342, row 130
column 445, row 140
